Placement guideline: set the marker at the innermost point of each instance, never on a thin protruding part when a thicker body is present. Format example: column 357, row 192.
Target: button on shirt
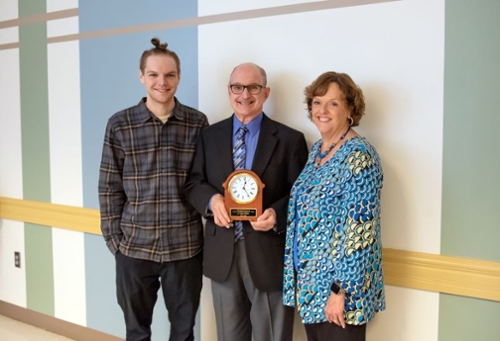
column 144, row 165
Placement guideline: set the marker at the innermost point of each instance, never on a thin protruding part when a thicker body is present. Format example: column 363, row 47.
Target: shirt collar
column 253, row 126
column 146, row 115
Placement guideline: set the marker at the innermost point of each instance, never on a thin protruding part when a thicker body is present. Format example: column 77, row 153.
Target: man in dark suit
column 247, row 273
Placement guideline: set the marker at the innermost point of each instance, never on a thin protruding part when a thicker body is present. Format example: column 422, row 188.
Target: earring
column 352, row 121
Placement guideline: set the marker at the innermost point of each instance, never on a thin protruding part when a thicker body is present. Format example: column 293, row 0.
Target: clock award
column 243, row 195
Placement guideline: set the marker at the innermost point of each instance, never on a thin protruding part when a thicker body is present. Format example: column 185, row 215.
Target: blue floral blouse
column 334, row 226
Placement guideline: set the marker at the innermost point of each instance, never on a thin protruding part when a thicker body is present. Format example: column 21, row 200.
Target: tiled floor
column 12, row 330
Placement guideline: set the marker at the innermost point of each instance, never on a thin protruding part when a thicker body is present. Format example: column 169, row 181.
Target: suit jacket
column 280, row 155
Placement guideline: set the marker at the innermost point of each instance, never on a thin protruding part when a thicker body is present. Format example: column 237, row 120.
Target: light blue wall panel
column 98, row 15
column 103, row 312
column 110, row 83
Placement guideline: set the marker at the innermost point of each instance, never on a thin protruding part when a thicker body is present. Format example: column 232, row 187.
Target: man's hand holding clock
column 242, row 200
column 265, row 221
column 221, row 217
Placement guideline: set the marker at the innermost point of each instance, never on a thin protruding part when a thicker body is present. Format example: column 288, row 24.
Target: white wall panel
column 8, row 10
column 62, row 27
column 397, row 61
column 59, row 5
column 9, row 35
column 207, row 321
column 69, row 276
column 11, row 169
column 411, row 315
column 12, row 279
column 64, row 123
column 211, row 7
column 66, row 178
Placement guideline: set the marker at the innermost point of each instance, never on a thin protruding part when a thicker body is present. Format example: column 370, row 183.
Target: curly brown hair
column 159, row 49
column 352, row 93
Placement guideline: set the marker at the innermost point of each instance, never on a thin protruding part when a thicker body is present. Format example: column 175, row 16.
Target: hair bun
column 156, row 43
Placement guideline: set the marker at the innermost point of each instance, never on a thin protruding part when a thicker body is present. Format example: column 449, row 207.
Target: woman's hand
column 334, row 309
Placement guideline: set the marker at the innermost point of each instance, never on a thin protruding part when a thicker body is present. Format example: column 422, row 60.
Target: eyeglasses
column 253, row 89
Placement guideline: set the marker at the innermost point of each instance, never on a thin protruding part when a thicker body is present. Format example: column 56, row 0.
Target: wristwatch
column 337, row 289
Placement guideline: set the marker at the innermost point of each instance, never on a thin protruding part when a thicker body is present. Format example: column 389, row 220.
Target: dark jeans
column 327, row 331
column 137, row 283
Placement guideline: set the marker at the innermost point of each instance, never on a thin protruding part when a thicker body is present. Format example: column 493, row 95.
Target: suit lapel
column 224, row 141
column 265, row 146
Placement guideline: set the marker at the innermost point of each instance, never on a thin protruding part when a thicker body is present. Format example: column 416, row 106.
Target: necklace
column 320, row 156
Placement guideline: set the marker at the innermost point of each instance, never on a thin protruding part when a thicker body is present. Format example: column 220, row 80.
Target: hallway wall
column 428, row 69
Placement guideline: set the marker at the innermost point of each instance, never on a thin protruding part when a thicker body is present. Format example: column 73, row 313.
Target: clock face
column 243, row 188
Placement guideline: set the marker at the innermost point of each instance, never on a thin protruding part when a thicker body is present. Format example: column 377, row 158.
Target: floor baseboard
column 54, row 325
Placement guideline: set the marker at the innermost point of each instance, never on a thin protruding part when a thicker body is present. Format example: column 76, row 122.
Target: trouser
column 137, row 283
column 243, row 311
column 327, row 331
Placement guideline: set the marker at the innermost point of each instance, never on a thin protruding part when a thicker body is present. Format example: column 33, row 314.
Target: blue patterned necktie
column 239, row 158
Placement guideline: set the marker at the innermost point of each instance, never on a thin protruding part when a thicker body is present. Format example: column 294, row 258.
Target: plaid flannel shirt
column 144, row 213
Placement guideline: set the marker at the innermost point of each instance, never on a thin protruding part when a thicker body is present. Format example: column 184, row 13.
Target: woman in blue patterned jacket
column 333, row 256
